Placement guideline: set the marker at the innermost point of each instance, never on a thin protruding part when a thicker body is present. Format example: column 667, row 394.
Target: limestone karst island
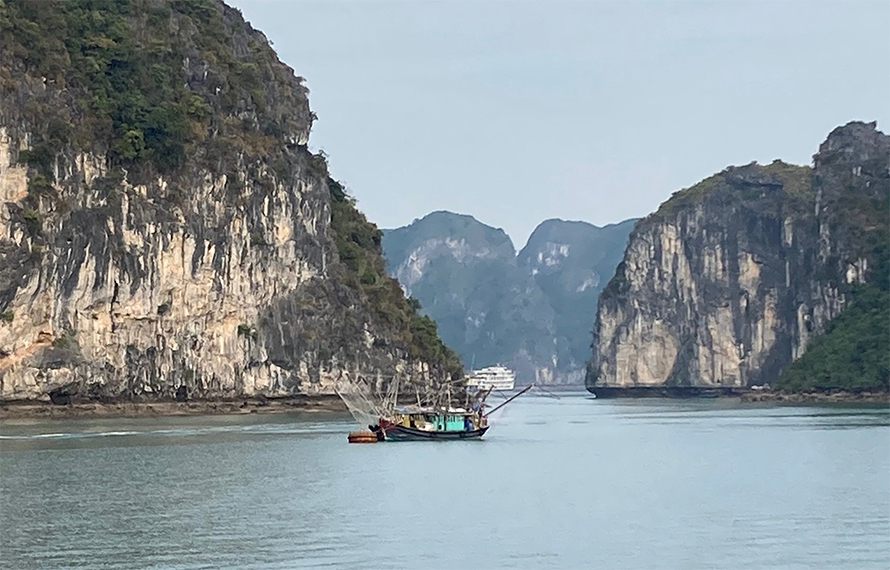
column 166, row 231
column 620, row 272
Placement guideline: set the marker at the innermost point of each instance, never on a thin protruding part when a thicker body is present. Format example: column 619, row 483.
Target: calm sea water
column 567, row 483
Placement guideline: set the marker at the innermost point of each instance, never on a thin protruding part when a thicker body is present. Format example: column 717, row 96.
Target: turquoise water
column 567, row 483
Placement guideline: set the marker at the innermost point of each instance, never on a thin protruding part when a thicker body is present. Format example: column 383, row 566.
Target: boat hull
column 402, row 433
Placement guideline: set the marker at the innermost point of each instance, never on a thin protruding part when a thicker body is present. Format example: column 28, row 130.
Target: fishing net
column 360, row 399
column 368, row 401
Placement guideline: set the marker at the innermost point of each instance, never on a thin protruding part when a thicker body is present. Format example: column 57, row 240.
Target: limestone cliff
column 730, row 280
column 164, row 230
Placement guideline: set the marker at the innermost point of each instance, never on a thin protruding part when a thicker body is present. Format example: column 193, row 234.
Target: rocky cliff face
column 173, row 236
column 731, row 279
column 526, row 311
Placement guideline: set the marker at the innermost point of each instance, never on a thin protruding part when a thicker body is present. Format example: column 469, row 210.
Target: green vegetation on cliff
column 854, row 353
column 125, row 67
column 796, row 184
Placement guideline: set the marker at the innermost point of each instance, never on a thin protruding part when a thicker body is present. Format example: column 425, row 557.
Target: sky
column 519, row 111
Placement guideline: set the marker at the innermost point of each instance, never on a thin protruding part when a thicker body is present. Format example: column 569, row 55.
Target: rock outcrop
column 729, row 281
column 531, row 311
column 164, row 230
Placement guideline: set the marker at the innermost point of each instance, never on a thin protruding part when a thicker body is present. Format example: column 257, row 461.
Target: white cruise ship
column 497, row 377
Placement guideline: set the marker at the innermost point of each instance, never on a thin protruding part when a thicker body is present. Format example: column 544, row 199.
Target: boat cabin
column 431, row 420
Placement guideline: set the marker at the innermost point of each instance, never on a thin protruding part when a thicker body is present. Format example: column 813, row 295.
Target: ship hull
column 402, row 433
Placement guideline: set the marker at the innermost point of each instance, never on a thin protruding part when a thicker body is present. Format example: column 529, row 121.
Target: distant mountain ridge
column 530, row 310
column 571, row 263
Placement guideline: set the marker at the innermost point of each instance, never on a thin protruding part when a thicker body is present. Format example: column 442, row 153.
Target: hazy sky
column 515, row 112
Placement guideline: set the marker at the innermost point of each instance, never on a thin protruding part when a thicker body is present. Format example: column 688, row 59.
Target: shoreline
column 744, row 395
column 832, row 397
column 32, row 409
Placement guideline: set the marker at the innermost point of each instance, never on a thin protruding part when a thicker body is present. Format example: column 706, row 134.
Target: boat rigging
column 436, row 415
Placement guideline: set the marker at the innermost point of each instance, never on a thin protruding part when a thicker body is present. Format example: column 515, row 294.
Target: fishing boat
column 434, row 417
column 420, row 424
column 412, row 424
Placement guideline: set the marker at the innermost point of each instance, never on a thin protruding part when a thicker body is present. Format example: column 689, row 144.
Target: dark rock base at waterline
column 664, row 391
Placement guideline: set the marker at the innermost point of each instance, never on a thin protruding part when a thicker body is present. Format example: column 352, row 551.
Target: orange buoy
column 364, row 436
